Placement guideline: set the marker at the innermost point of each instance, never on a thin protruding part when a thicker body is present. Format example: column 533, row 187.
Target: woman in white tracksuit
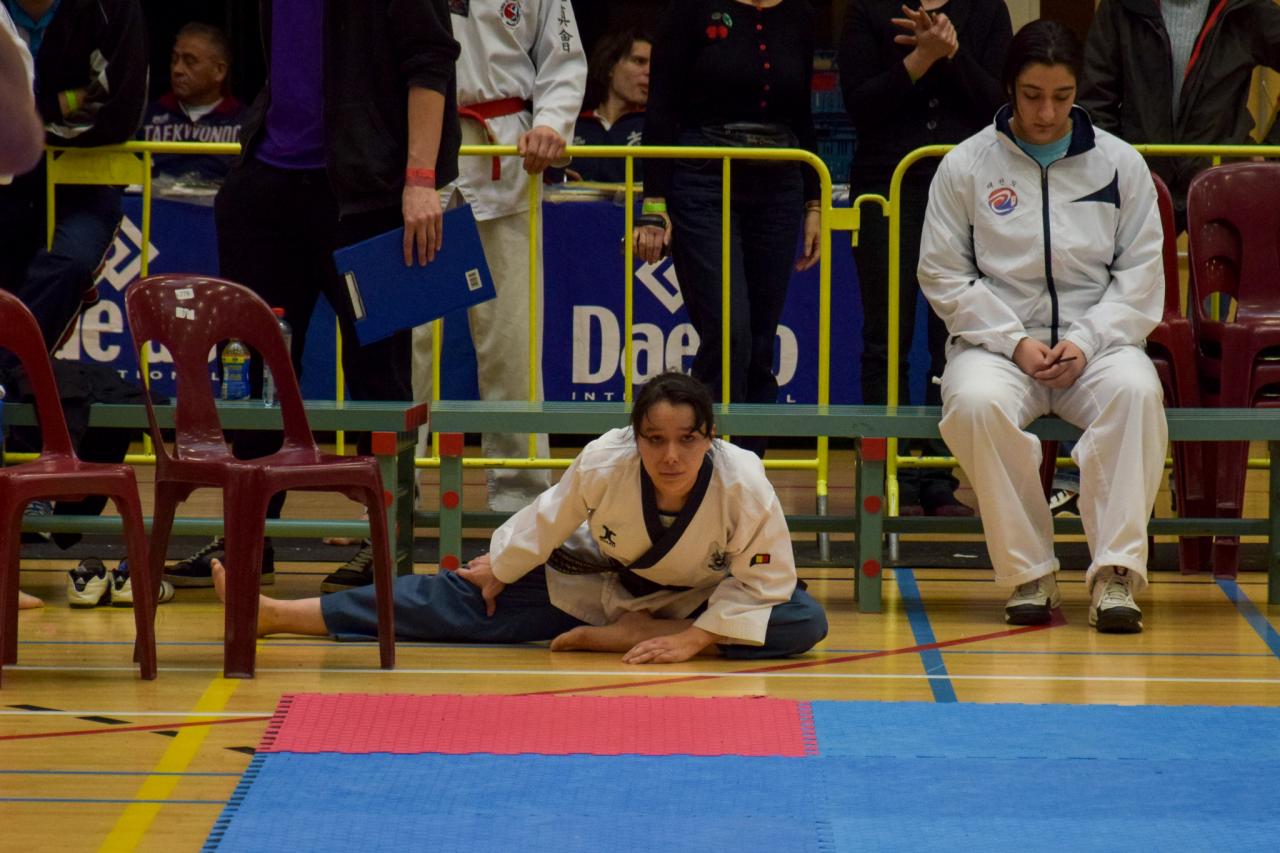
column 1041, row 252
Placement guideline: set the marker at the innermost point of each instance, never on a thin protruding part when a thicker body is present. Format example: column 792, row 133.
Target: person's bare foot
column 620, row 636
column 28, row 602
column 265, row 605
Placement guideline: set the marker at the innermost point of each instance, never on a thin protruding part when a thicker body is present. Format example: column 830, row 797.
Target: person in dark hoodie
column 90, row 89
column 354, row 130
column 1178, row 72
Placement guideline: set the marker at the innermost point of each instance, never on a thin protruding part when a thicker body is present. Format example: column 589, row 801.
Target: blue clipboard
column 386, row 296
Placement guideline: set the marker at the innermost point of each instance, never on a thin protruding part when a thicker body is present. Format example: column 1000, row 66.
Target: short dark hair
column 605, row 56
column 677, row 389
column 216, row 38
column 1042, row 43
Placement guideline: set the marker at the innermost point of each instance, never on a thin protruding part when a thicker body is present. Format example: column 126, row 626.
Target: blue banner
column 583, row 320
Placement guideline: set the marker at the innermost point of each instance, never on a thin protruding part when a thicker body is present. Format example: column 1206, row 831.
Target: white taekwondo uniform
column 731, row 548
column 526, row 53
column 1011, row 249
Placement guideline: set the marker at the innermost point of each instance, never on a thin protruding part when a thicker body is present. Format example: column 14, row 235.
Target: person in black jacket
column 354, row 130
column 733, row 73
column 1178, row 73
column 90, row 89
column 912, row 77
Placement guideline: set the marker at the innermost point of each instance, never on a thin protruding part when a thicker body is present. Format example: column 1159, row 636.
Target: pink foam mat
column 361, row 723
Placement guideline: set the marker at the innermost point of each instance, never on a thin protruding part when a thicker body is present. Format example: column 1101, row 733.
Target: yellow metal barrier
column 130, row 163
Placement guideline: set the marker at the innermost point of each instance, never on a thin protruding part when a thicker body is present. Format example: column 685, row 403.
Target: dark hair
column 217, row 38
column 678, row 389
column 1042, row 43
column 606, row 55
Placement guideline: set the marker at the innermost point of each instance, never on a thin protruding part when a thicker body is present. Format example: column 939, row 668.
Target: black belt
column 565, row 563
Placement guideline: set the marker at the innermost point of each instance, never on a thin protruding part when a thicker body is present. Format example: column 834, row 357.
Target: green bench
column 394, row 426
column 869, row 427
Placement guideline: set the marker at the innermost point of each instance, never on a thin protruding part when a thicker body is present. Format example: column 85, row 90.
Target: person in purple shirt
column 349, row 138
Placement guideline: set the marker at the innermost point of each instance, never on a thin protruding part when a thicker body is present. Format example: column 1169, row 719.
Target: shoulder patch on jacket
column 1110, row 194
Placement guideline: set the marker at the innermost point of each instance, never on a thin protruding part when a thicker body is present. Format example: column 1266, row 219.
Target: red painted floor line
column 155, row 728
column 1058, row 620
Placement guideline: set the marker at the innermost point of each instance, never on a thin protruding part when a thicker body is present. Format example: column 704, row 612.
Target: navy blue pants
column 446, row 608
column 51, row 282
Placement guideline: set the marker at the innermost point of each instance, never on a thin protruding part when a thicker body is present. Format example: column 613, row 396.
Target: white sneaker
column 1113, row 610
column 87, row 583
column 1032, row 603
column 122, row 587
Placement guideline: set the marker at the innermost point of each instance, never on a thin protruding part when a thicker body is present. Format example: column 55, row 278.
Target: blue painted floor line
column 918, row 618
column 1257, row 619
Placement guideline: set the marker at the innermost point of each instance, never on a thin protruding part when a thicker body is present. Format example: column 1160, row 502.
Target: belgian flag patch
column 759, row 559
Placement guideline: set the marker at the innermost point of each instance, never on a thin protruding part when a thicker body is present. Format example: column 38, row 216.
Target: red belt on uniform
column 486, row 110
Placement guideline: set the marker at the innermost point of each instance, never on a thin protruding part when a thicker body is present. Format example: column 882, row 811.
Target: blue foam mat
column 954, row 777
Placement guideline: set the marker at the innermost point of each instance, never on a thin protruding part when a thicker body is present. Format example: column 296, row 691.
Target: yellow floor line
column 129, row 830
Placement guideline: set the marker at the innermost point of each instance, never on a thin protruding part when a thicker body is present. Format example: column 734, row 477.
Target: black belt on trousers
column 565, row 563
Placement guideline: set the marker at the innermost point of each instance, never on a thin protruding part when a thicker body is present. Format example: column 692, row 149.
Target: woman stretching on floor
column 660, row 542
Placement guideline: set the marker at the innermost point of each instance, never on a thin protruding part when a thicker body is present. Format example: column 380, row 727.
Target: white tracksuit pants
column 987, row 401
column 500, row 332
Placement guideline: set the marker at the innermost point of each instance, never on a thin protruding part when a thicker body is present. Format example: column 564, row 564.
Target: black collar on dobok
column 1082, row 136
column 663, row 537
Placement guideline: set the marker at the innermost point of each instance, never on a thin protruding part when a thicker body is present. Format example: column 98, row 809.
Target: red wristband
column 420, row 178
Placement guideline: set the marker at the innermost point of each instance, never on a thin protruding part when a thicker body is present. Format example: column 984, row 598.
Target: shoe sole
column 128, row 602
column 1028, row 614
column 85, row 604
column 1116, row 620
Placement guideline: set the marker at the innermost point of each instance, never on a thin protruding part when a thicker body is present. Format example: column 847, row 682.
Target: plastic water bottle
column 269, row 396
column 235, row 371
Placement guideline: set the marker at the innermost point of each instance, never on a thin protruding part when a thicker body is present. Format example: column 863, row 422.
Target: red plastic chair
column 189, row 315
column 59, row 473
column 1233, row 228
column 1172, row 348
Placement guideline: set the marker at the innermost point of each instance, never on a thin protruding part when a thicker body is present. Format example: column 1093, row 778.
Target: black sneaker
column 356, row 572
column 196, row 571
column 1064, row 502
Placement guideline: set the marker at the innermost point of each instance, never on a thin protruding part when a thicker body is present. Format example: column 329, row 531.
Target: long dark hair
column 606, row 55
column 1041, row 43
column 677, row 389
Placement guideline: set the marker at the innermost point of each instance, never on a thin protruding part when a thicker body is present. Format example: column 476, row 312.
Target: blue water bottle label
column 235, row 377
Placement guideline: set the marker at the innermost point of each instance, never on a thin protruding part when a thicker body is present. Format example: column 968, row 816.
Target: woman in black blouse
column 924, row 74
column 736, row 73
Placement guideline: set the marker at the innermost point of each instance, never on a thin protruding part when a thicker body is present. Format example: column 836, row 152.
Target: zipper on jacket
column 1048, row 256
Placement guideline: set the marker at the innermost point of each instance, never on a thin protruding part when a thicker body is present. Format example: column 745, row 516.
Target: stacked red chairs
column 1233, row 228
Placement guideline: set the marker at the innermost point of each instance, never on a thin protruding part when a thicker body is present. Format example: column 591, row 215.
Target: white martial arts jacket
column 732, row 548
column 10, row 32
column 526, row 49
column 1012, row 250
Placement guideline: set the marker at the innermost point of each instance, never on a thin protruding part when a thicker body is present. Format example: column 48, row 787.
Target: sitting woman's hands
column 479, row 573
column 1058, row 367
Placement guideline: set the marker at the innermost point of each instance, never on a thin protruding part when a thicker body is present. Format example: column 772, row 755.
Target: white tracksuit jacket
column 1011, row 250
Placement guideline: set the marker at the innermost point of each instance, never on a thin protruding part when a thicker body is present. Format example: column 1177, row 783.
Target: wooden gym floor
column 92, row 758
